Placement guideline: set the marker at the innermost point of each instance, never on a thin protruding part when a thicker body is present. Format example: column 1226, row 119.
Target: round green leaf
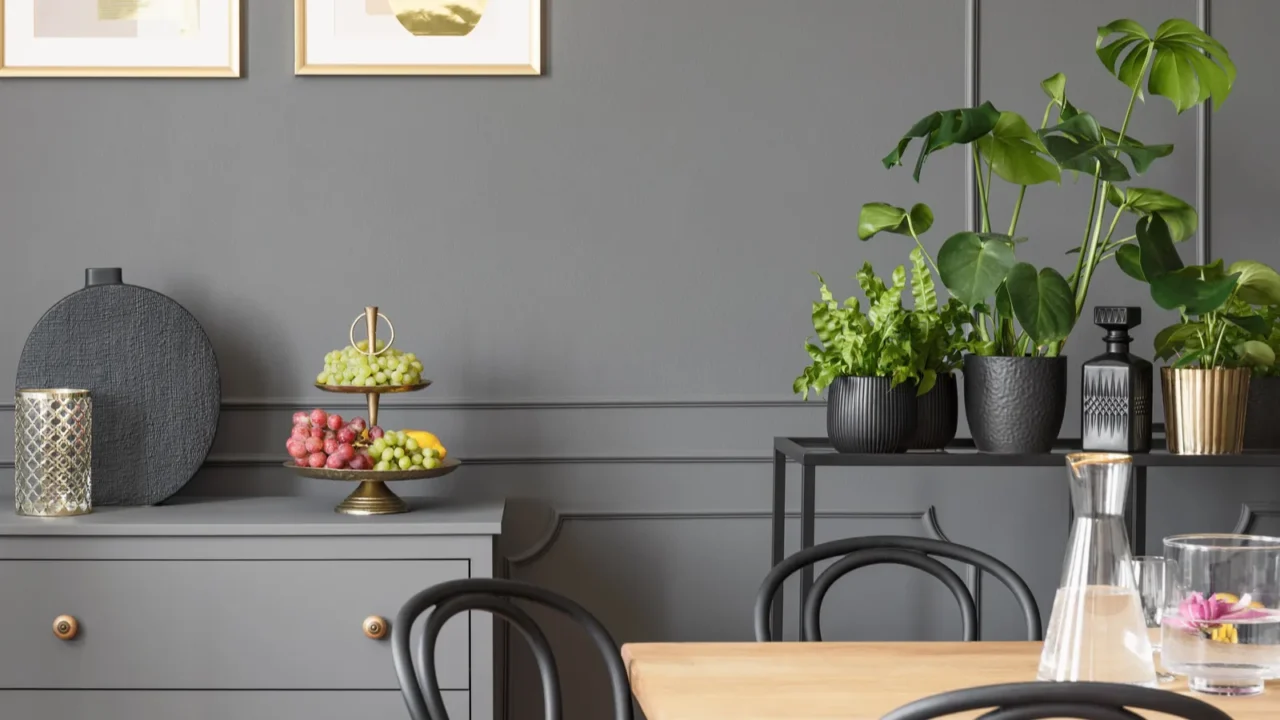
column 1042, row 302
column 878, row 217
column 1259, row 284
column 1014, row 151
column 973, row 266
column 1256, row 353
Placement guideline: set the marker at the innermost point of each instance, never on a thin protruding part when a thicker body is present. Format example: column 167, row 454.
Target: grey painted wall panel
column 637, row 224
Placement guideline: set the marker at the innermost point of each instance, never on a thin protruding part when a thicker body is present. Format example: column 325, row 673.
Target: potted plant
column 875, row 363
column 1015, row 378
column 1220, row 339
column 1261, row 432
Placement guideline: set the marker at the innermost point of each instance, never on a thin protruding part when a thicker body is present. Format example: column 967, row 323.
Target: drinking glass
column 1222, row 626
column 1155, row 577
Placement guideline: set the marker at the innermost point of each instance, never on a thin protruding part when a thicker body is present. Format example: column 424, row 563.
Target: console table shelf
column 810, row 453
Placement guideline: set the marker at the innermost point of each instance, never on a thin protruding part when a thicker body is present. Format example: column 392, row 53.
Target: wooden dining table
column 849, row 681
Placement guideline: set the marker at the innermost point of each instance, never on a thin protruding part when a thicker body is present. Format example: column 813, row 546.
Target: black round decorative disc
column 153, row 378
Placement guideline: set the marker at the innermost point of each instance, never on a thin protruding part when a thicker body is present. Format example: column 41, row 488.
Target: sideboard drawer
column 215, row 624
column 214, row 705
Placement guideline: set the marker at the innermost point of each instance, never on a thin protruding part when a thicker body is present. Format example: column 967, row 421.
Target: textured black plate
column 154, row 381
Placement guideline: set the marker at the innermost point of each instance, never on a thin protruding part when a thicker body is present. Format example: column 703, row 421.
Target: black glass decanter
column 1115, row 397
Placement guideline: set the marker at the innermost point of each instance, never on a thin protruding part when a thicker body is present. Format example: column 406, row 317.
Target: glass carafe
column 1097, row 631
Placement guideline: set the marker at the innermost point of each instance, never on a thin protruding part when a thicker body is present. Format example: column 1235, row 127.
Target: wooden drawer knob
column 375, row 627
column 65, row 627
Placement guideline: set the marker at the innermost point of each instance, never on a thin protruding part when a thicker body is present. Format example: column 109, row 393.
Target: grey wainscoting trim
column 972, row 72
column 1203, row 155
column 540, row 547
column 1250, row 512
column 295, row 403
column 252, row 461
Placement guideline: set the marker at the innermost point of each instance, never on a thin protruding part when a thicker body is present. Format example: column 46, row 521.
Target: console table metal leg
column 808, row 509
column 779, row 532
column 1137, row 520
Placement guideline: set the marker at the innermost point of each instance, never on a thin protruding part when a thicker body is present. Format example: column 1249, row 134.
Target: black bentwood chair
column 421, row 688
column 1040, row 700
column 913, row 552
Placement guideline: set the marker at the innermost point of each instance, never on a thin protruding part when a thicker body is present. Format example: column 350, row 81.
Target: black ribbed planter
column 1261, row 431
column 937, row 414
column 866, row 415
column 1015, row 404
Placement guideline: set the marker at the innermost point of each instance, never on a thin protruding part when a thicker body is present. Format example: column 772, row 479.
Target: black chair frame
column 911, row 551
column 1041, row 700
column 421, row 687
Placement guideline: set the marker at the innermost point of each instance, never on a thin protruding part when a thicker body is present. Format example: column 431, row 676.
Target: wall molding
column 274, row 461
column 301, row 403
column 542, row 545
column 972, row 90
column 1203, row 155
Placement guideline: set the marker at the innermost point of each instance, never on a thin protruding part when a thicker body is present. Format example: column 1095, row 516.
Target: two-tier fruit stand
column 372, row 496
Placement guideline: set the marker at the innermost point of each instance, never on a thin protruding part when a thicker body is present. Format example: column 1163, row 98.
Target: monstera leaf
column 1077, row 144
column 1180, row 218
column 946, row 127
column 1140, row 154
column 1015, row 152
column 973, row 265
column 1158, row 255
column 1195, row 289
column 1187, row 66
column 876, row 218
column 1042, row 301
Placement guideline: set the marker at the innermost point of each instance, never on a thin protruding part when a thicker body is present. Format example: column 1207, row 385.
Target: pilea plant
column 887, row 340
column 1016, row 308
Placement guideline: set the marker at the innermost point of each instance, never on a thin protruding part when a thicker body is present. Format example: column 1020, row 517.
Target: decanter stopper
column 1116, row 388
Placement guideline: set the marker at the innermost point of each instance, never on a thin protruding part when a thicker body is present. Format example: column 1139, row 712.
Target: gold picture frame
column 304, row 66
column 231, row 68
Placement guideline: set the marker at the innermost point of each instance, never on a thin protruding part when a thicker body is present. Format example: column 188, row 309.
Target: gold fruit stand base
column 372, row 496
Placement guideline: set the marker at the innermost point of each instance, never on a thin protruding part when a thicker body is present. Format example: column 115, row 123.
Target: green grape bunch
column 352, row 366
column 397, row 451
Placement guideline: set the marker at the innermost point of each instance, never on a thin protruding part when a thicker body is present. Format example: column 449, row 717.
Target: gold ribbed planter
column 1204, row 409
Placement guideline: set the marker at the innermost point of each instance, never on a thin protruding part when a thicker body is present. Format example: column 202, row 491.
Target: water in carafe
column 1096, row 630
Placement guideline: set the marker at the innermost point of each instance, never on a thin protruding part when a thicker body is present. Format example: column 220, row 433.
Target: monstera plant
column 1022, row 314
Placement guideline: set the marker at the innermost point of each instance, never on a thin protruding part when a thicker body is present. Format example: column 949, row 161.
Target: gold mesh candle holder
column 53, row 452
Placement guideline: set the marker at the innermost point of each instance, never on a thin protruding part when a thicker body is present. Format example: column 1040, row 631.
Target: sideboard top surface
column 282, row 516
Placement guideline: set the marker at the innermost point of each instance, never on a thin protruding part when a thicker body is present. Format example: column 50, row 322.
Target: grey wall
column 605, row 269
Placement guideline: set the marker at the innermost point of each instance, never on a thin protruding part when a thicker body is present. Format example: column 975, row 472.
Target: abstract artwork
column 418, row 37
column 120, row 38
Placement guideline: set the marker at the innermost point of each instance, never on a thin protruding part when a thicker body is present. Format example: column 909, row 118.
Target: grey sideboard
column 235, row 609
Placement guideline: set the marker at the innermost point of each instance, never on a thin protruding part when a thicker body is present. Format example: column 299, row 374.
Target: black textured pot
column 866, row 415
column 937, row 414
column 1261, row 431
column 1015, row 404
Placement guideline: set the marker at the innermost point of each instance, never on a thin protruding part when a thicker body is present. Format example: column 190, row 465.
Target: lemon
column 1227, row 598
column 427, row 440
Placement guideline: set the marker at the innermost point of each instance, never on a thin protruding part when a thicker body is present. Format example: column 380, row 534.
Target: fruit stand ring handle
column 351, row 335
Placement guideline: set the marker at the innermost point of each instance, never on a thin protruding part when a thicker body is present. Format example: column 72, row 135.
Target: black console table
column 811, row 453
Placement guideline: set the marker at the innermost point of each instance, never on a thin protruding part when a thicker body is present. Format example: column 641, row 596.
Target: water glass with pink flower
column 1221, row 628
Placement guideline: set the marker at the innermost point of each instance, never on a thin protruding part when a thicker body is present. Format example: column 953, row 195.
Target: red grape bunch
column 321, row 440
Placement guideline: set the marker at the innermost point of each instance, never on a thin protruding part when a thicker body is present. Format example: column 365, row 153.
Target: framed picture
column 418, row 37
column 120, row 38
